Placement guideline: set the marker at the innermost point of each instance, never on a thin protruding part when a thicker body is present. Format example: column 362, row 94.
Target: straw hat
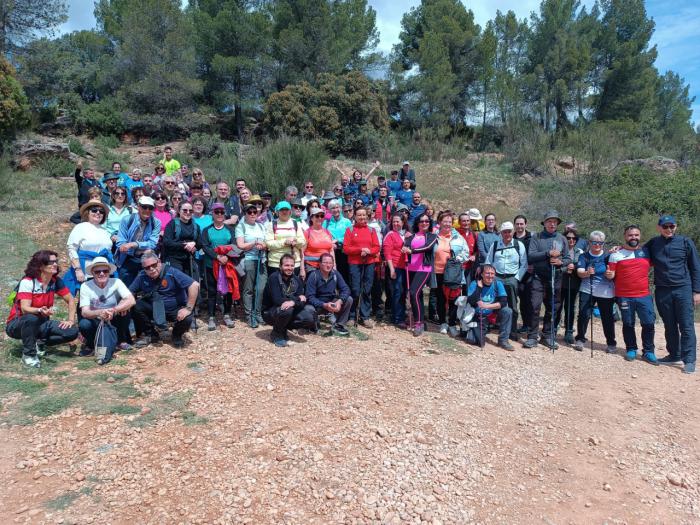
column 84, row 209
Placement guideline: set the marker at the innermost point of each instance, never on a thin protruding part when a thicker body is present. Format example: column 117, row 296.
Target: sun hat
column 100, row 261
column 110, row 176
column 507, row 225
column 551, row 214
column 313, row 211
column 84, row 209
column 474, row 214
column 255, row 199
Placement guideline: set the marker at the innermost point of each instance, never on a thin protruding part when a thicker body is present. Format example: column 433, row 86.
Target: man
column 509, row 258
column 381, row 183
column 116, row 170
column 137, row 234
column 629, row 268
column 328, row 293
column 84, row 180
column 677, row 291
column 547, row 256
column 408, row 174
column 470, row 237
column 147, row 185
column 308, row 192
column 169, row 162
column 284, row 304
column 168, row 295
column 232, row 205
column 416, row 208
column 486, row 295
column 523, row 235
column 266, row 214
column 487, row 237
column 382, row 206
column 348, row 196
column 361, row 245
column 240, row 184
column 405, row 194
column 394, row 184
column 110, row 182
column 362, row 193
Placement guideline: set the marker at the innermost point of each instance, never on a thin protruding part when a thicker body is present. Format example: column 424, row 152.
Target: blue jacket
column 675, row 262
column 127, row 230
column 319, row 291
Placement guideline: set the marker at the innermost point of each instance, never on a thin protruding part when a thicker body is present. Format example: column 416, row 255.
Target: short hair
column 333, row 203
column 285, row 257
column 325, row 256
column 632, row 227
column 240, row 179
column 490, row 215
column 443, row 214
column 463, row 214
column 95, row 193
column 520, row 217
column 167, row 148
column 199, row 198
column 196, row 186
column 486, row 266
column 596, row 235
column 149, row 254
column 290, row 189
column 137, row 170
column 116, row 162
column 416, row 222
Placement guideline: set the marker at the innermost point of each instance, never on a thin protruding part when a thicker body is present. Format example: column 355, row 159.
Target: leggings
column 212, row 294
column 418, row 282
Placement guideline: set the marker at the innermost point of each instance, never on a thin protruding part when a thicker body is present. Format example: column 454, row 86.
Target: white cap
column 474, row 214
column 146, row 201
column 405, row 163
column 506, row 226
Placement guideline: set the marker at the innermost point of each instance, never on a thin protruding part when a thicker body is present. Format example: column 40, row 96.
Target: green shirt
column 219, row 238
column 170, row 166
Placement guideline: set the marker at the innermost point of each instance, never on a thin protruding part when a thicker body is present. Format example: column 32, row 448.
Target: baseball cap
column 507, row 226
column 283, row 205
column 667, row 219
column 406, row 163
column 146, row 201
column 217, row 206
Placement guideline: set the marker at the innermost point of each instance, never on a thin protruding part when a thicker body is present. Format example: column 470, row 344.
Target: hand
column 302, row 298
column 570, row 268
column 696, row 299
column 392, row 274
column 79, row 165
column 114, row 238
column 45, row 311
column 471, row 258
column 64, row 325
column 106, row 314
column 125, row 247
column 189, row 246
column 260, row 245
column 222, row 259
column 406, row 250
column 480, row 283
column 287, row 305
column 377, row 163
column 608, row 274
column 364, row 252
column 290, row 242
column 554, row 253
column 591, row 270
column 337, row 305
column 182, row 313
column 555, row 261
column 79, row 275
column 481, row 304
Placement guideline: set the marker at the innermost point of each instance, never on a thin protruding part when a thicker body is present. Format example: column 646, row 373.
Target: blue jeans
column 361, row 279
column 398, row 297
column 129, row 270
column 642, row 307
column 675, row 306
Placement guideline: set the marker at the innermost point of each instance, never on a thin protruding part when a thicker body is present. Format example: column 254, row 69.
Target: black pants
column 568, row 299
column 378, row 292
column 302, row 316
column 142, row 315
column 541, row 293
column 524, row 296
column 184, row 266
column 341, row 264
column 585, row 307
column 511, row 285
column 446, row 308
column 31, row 328
column 212, row 295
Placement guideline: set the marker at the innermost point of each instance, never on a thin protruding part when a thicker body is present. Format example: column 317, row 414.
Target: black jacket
column 277, row 291
column 428, row 250
column 173, row 244
column 675, row 262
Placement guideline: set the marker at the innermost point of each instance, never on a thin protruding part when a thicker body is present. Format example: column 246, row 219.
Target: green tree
column 14, row 110
column 486, row 74
column 674, row 108
column 322, row 36
column 22, row 20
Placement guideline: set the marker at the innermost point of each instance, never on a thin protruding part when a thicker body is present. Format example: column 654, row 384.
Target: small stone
column 634, row 376
column 593, row 440
column 330, row 495
column 382, row 432
column 270, row 387
column 79, row 476
column 588, row 504
column 22, row 510
column 318, row 456
column 140, row 359
column 145, row 410
column 36, row 475
column 111, row 380
column 674, row 479
column 607, row 487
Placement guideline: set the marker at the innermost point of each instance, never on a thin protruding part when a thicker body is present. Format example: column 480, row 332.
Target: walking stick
column 194, row 316
column 253, row 321
column 552, row 329
column 408, row 294
column 481, row 329
column 359, row 297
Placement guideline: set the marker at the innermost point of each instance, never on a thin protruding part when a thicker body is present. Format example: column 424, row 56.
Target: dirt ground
column 392, row 429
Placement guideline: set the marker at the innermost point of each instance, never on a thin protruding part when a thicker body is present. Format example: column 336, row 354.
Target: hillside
column 379, row 428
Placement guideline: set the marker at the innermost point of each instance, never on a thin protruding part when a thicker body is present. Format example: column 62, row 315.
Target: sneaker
column 124, row 346
column 228, row 321
column 143, row 341
column 40, row 349
column 367, row 323
column 650, row 357
column 163, row 333
column 281, row 343
column 569, row 338
column 530, row 343
column 546, row 341
column 339, row 329
column 86, row 351
column 689, row 368
column 507, row 346
column 453, row 331
column 668, row 360
column 610, row 349
column 31, row 361
column 631, row 355
column 418, row 330
column 443, row 328
column 211, row 324
column 578, row 345
column 253, row 323
column 178, row 342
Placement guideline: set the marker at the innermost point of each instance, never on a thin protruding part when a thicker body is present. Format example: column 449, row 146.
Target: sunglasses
column 159, row 198
column 160, row 169
column 151, row 267
column 597, row 243
column 120, row 193
column 97, row 210
column 176, row 199
column 146, row 208
column 219, row 212
column 100, row 272
column 423, row 222
column 318, row 216
column 668, row 226
column 52, row 262
column 252, row 212
column 571, row 238
column 348, row 210
column 309, row 187
column 169, row 183
column 185, row 210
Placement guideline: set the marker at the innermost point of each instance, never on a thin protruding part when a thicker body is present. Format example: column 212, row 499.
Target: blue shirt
column 172, row 287
column 337, row 228
column 675, row 261
column 394, row 186
column 489, row 294
column 602, row 286
column 405, row 197
column 415, row 211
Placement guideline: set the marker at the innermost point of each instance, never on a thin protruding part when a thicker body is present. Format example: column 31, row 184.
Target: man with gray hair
column 166, row 294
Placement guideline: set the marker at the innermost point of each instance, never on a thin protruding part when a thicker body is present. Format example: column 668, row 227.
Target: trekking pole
column 194, row 316
column 359, row 297
column 253, row 322
column 481, row 329
column 552, row 332
column 408, row 294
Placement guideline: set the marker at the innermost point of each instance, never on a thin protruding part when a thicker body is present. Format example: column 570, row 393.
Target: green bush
column 393, row 148
column 527, row 148
column 203, row 145
column 75, row 146
column 105, row 142
column 8, row 182
column 105, row 116
column 107, row 157
column 54, row 167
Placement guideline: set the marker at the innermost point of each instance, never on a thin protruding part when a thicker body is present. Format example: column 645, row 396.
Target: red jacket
column 393, row 242
column 356, row 238
column 470, row 237
column 229, row 269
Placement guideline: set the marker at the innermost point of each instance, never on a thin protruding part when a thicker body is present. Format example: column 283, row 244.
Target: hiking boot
column 253, row 323
column 668, row 360
column 228, row 321
column 163, row 333
column 453, row 331
column 514, row 337
column 178, row 342
column 631, row 354
column 689, row 368
column 650, row 357
column 569, row 337
column 40, row 349
column 31, row 361
column 523, row 329
column 124, row 346
column 418, row 330
column 281, row 343
column 367, row 323
column 85, row 351
column 339, row 329
column 507, row 346
column 143, row 341
column 443, row 328
column 211, row 324
column 610, row 349
column 546, row 341
column 578, row 345
column 530, row 343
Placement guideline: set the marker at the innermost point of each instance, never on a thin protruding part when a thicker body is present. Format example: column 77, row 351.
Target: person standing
column 137, row 234
column 629, row 268
column 169, row 162
column 250, row 237
column 547, row 256
column 570, row 286
column 361, row 245
column 396, row 267
column 487, row 237
column 420, row 248
column 524, row 235
column 677, row 290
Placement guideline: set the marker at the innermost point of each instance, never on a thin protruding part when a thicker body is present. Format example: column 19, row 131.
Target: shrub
column 203, row 145
column 104, row 116
column 527, row 147
column 54, row 167
column 75, row 146
column 105, row 142
column 8, row 182
column 107, row 157
column 392, row 148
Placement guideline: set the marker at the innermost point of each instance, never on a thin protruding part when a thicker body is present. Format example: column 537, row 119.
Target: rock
column 36, row 475
column 140, row 359
column 594, row 440
column 145, row 410
column 318, row 456
column 22, row 510
column 588, row 504
column 111, row 380
column 30, row 150
column 674, row 479
column 607, row 487
column 79, row 476
column 24, row 164
column 568, row 163
column 527, row 177
column 382, row 432
column 654, row 164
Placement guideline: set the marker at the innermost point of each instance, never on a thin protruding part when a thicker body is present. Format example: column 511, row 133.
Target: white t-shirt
column 100, row 298
column 86, row 236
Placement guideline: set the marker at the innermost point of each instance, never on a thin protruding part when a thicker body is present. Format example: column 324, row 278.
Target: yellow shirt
column 170, row 166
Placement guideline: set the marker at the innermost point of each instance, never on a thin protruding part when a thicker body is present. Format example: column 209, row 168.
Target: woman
column 33, row 306
column 318, row 241
column 118, row 210
column 284, row 235
column 336, row 225
column 570, row 286
column 206, row 194
column 87, row 240
column 158, row 174
column 181, row 240
column 162, row 210
column 107, row 299
column 450, row 244
column 218, row 234
column 136, row 194
column 199, row 212
column 198, row 178
column 175, row 202
column 396, row 265
column 250, row 237
column 421, row 247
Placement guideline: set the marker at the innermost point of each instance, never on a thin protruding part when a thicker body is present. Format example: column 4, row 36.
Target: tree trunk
column 238, row 107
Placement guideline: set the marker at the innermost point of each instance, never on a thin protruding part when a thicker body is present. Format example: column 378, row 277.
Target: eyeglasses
column 218, row 212
column 185, row 210
column 101, row 272
column 160, row 168
column 151, row 267
column 146, row 208
column 319, row 216
column 571, row 238
column 120, row 193
column 597, row 243
column 348, row 210
column 309, row 186
column 52, row 262
column 668, row 226
column 424, row 222
column 176, row 199
column 252, row 212
column 159, row 198
column 169, row 183
column 97, row 210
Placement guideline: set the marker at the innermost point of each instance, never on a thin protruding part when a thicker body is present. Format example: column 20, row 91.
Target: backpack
column 178, row 229
column 274, row 226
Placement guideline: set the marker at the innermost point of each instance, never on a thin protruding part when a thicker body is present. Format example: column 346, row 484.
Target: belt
column 505, row 275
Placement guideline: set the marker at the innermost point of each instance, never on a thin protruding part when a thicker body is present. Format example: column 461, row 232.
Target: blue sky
column 676, row 36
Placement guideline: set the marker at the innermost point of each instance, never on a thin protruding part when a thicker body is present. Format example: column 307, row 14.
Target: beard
column 633, row 243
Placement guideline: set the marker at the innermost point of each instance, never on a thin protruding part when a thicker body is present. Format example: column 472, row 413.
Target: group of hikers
column 150, row 250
